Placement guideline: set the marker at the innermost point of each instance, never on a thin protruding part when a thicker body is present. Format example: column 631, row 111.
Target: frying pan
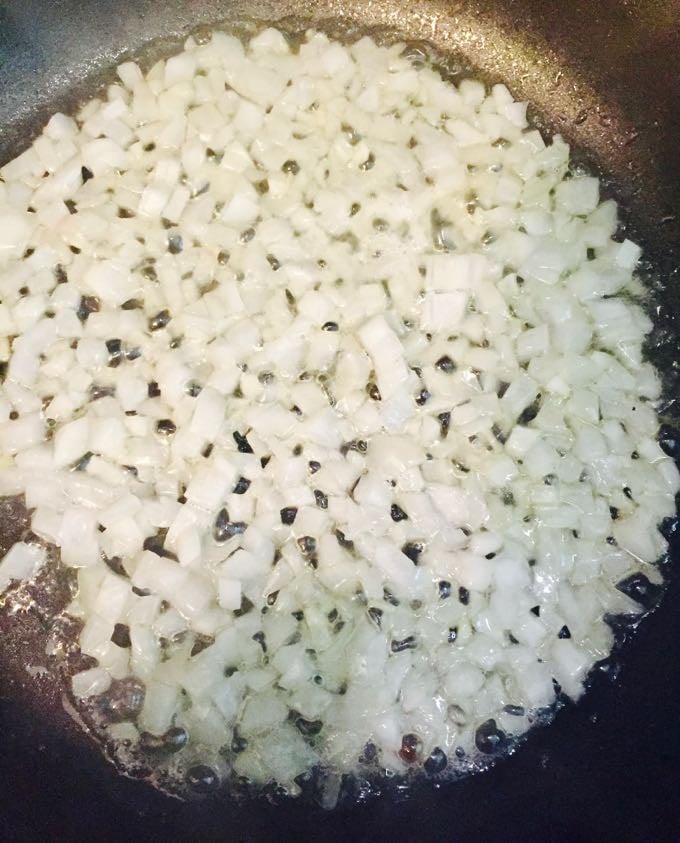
column 605, row 76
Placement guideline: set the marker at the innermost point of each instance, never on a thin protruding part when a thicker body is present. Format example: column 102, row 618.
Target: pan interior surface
column 481, row 38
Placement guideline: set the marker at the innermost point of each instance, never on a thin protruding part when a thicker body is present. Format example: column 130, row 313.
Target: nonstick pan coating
column 605, row 76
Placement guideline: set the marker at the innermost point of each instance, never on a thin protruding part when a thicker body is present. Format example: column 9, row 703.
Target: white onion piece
column 20, row 562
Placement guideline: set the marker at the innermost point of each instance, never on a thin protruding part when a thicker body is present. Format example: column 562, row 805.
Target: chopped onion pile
column 326, row 376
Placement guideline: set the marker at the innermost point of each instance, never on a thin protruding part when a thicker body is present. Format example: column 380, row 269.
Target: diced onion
column 318, row 374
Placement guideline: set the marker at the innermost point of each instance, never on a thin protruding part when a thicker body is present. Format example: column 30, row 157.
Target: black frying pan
column 606, row 76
